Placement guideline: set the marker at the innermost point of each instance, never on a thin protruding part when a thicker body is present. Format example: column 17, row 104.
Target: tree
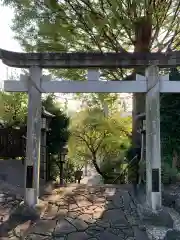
column 78, row 154
column 99, row 136
column 102, row 25
column 13, row 109
column 170, row 128
column 107, row 102
column 58, row 135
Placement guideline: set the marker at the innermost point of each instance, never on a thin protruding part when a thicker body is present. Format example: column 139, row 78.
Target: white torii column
column 153, row 146
column 32, row 163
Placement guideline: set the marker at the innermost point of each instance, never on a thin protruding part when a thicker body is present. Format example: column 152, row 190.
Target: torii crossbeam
column 89, row 59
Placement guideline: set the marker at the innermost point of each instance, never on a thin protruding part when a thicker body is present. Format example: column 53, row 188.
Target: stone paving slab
column 81, row 213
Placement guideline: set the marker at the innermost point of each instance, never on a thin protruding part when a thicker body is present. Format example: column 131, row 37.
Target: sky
column 8, row 42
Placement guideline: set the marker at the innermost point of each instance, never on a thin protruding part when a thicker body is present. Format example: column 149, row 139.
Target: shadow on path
column 82, row 212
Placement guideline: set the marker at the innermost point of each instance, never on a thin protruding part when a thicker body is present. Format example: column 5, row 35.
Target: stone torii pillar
column 153, row 146
column 32, row 163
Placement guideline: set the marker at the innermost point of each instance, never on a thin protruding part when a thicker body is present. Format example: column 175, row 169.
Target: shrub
column 169, row 175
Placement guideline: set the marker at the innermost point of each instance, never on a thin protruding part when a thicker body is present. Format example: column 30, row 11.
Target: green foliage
column 57, row 137
column 69, row 168
column 78, row 25
column 169, row 174
column 99, row 138
column 109, row 103
column 13, row 108
column 69, row 171
column 170, row 119
column 78, row 154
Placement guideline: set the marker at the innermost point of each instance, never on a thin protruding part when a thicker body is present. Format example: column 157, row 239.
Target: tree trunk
column 94, row 161
column 143, row 34
column 175, row 159
column 138, row 107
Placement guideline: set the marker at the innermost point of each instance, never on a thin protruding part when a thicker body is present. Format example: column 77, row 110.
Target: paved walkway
column 92, row 178
column 85, row 212
column 77, row 212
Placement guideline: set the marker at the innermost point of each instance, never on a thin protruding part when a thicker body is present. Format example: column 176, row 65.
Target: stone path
column 92, row 178
column 8, row 202
column 87, row 213
column 79, row 212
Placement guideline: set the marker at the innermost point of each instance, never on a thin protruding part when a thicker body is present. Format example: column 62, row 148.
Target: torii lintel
column 89, row 59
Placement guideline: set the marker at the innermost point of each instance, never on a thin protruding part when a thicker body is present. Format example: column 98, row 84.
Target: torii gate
column 35, row 84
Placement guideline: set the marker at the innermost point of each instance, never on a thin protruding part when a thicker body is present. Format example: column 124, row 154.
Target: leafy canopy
column 94, row 135
column 96, row 25
column 109, row 103
column 57, row 137
column 13, row 108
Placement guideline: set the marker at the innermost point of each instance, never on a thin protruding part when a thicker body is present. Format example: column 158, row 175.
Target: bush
column 178, row 177
column 169, row 175
column 113, row 167
column 69, row 169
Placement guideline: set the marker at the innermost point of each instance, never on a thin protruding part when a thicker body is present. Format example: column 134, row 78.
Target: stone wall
column 12, row 172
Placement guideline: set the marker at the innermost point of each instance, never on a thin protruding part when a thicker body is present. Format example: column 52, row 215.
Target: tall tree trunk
column 143, row 34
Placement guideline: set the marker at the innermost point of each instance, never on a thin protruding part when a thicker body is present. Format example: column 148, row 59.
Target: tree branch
column 86, row 142
column 100, row 142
